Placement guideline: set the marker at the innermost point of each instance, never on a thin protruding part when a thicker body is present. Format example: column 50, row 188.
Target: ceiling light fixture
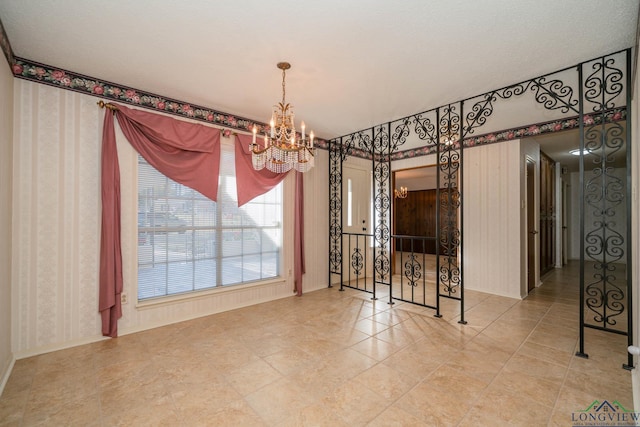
column 576, row 152
column 449, row 139
column 401, row 194
column 283, row 150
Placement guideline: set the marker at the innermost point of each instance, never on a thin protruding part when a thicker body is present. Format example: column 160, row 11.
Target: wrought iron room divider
column 594, row 96
column 605, row 222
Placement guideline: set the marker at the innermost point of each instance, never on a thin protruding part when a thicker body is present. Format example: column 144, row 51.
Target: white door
column 356, row 223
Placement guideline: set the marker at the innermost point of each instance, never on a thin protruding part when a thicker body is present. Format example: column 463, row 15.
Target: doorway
column 357, row 228
column 414, row 213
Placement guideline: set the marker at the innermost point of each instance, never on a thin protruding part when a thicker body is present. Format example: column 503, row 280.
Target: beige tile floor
column 334, row 358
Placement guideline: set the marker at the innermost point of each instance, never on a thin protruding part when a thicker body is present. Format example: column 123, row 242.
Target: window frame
column 279, row 248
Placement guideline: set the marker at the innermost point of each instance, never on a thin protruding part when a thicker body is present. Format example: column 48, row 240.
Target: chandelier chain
column 283, row 85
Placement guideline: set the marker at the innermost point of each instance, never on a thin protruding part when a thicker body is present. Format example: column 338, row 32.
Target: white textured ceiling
column 355, row 63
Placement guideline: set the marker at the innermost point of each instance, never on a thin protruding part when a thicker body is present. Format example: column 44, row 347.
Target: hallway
column 336, row 359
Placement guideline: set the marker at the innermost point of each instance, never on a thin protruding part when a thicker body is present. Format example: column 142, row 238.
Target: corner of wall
column 6, row 373
column 7, row 358
column 635, row 212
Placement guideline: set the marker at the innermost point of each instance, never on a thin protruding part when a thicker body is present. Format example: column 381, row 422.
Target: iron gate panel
column 605, row 247
column 598, row 92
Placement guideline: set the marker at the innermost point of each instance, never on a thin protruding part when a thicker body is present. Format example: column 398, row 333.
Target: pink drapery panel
column 252, row 183
column 298, row 235
column 186, row 152
column 110, row 249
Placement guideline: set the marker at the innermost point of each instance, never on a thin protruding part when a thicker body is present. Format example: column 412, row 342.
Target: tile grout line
column 510, row 357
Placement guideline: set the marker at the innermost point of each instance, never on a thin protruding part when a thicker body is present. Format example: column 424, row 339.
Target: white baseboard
column 126, row 330
column 7, row 373
column 58, row 346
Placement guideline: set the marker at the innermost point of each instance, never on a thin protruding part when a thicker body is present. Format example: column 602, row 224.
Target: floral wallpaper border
column 5, row 45
column 613, row 115
column 41, row 73
column 64, row 79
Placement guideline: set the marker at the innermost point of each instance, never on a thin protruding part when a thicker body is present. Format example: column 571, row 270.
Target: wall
column 6, row 154
column 316, row 217
column 635, row 231
column 492, row 219
column 57, row 228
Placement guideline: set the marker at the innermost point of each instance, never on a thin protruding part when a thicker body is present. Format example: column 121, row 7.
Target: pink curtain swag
column 186, row 152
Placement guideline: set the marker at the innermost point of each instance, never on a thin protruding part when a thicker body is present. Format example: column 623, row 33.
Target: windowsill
column 160, row 301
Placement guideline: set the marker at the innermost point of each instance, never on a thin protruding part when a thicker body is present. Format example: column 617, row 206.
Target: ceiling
column 355, row 63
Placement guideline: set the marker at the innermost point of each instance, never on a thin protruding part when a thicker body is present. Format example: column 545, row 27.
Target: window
column 186, row 242
column 349, row 203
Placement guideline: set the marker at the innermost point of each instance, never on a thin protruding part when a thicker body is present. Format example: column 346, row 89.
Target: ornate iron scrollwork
column 380, row 148
column 425, row 130
column 553, row 94
column 412, row 270
column 603, row 85
column 400, row 133
column 449, row 163
column 357, row 261
column 604, row 244
column 605, row 258
column 336, row 153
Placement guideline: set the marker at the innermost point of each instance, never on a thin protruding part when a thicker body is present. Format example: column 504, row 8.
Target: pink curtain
column 186, row 152
column 298, row 238
column 110, row 250
column 252, row 183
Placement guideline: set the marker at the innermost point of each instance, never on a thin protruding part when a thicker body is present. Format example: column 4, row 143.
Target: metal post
column 460, row 212
column 581, row 352
column 438, row 233
column 629, row 364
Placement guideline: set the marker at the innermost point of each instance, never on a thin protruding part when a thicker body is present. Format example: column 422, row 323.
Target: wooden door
column 531, row 225
column 547, row 213
column 416, row 216
column 565, row 192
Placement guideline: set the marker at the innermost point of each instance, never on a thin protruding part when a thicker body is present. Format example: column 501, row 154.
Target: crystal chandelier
column 283, row 150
